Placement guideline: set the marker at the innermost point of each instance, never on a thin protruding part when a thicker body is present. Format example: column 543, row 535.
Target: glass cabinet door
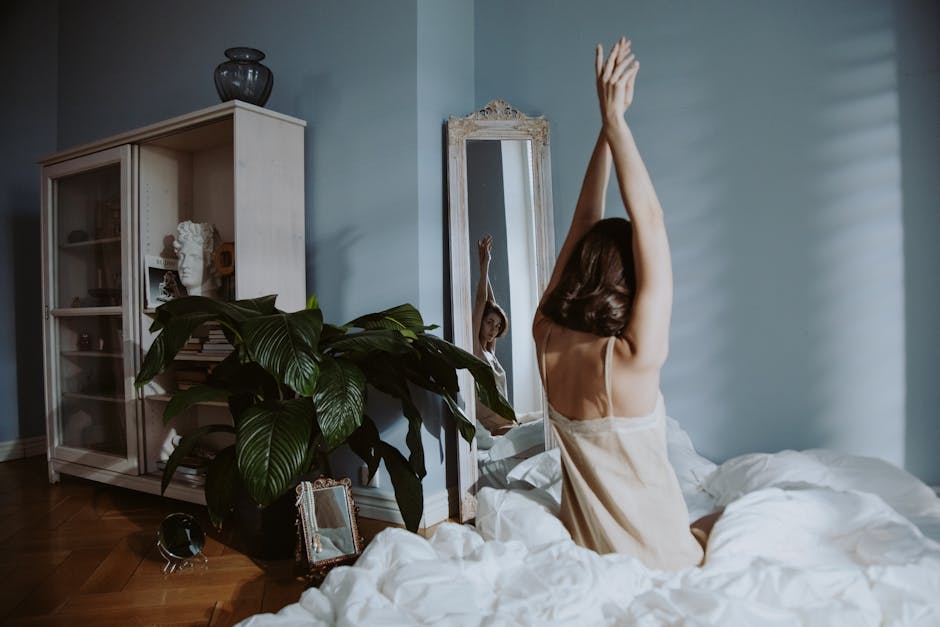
column 89, row 367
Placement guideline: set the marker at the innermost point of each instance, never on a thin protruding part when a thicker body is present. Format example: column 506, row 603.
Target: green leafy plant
column 297, row 387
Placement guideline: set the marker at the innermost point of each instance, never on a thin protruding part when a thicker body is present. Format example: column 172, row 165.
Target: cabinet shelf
column 93, row 397
column 77, row 312
column 90, row 242
column 93, row 354
column 165, row 398
column 200, row 357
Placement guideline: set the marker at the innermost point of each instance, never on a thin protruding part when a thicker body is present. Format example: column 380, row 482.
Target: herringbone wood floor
column 82, row 553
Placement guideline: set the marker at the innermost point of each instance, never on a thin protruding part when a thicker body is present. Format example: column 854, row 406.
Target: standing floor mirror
column 499, row 173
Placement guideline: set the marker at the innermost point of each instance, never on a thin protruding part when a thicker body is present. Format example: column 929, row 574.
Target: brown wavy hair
column 598, row 283
column 491, row 306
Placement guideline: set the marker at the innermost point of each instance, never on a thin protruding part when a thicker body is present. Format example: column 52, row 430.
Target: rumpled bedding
column 815, row 538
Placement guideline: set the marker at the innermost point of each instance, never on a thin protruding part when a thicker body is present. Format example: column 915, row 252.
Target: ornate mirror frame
column 498, row 120
column 314, row 573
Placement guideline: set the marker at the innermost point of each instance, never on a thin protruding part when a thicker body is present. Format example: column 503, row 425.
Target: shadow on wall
column 918, row 42
column 784, row 215
column 27, row 299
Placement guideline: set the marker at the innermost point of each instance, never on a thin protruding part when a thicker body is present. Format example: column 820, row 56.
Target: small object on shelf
column 84, row 342
column 191, row 465
column 106, row 296
column 77, row 236
column 243, row 77
column 195, row 245
column 163, row 280
column 76, row 302
column 188, row 377
column 224, row 259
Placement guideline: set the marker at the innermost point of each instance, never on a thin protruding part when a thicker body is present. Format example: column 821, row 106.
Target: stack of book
column 193, row 346
column 188, row 377
column 216, row 343
column 192, row 470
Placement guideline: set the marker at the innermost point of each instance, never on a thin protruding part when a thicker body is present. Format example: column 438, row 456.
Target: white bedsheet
column 814, row 538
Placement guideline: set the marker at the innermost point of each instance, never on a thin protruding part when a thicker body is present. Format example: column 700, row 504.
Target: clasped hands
column 616, row 81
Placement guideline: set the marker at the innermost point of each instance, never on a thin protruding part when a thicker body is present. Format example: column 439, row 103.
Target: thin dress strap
column 607, row 361
column 548, row 331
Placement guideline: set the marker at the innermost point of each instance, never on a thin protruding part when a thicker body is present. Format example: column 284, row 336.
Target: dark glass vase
column 244, row 77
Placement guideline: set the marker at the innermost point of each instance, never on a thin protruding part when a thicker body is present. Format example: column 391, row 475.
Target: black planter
column 268, row 533
column 244, row 77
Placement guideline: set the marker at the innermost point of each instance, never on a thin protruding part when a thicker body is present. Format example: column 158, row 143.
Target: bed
column 814, row 538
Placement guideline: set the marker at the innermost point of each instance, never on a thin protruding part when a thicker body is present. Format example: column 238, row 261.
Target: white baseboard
column 382, row 506
column 25, row 447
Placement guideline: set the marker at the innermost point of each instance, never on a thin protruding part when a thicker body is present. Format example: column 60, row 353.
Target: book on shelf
column 192, row 346
column 191, row 466
column 217, row 348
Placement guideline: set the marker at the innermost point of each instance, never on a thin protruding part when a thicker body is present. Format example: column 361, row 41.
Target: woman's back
column 619, row 491
column 588, row 376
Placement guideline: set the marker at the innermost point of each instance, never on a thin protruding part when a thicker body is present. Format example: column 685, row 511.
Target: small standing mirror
column 327, row 526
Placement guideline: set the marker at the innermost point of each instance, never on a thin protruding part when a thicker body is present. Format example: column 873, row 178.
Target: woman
column 490, row 322
column 602, row 334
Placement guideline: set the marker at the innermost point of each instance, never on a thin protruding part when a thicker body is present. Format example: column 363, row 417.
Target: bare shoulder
column 541, row 324
column 626, row 360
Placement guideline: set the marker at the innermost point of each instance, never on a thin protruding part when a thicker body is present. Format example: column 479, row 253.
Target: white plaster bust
column 194, row 244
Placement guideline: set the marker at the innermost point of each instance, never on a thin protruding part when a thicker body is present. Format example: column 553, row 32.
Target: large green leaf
column 339, row 399
column 364, row 442
column 397, row 318
column 271, row 446
column 222, row 485
column 482, row 373
column 386, row 375
column 185, row 447
column 243, row 378
column 226, row 312
column 286, row 346
column 383, row 340
column 428, row 360
column 165, row 347
column 407, row 485
column 466, row 428
column 184, row 399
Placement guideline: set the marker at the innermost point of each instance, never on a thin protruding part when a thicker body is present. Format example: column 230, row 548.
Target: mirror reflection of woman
column 489, row 323
column 602, row 336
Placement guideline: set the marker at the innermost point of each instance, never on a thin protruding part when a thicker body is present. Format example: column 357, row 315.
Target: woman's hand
column 483, row 250
column 616, row 80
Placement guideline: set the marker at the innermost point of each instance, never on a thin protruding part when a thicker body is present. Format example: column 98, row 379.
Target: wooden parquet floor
column 82, row 553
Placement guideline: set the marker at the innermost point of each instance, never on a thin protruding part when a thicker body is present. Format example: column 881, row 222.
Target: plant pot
column 268, row 533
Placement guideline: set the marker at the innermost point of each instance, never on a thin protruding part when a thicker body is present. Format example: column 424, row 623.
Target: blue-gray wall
column 918, row 67
column 794, row 145
column 773, row 132
column 28, row 36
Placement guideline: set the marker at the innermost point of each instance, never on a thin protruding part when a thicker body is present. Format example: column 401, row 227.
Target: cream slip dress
column 619, row 492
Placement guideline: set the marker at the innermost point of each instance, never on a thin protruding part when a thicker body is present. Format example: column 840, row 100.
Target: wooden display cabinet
column 109, row 206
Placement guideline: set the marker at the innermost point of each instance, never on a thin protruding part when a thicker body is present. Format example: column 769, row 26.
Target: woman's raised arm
column 591, row 200
column 484, row 291
column 648, row 329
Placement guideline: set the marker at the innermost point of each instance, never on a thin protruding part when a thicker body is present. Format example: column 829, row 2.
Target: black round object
column 244, row 77
column 181, row 536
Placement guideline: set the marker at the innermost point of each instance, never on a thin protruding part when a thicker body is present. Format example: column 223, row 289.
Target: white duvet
column 812, row 538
